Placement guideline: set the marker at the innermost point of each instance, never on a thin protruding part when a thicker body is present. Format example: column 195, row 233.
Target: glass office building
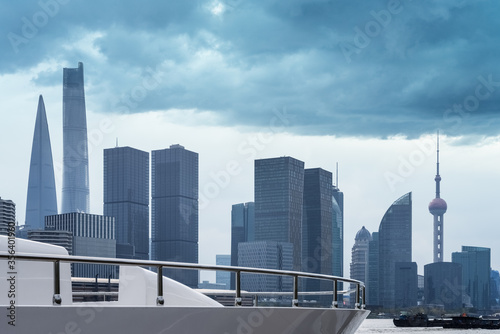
column 394, row 246
column 242, row 230
column 75, row 188
column 279, row 188
column 41, row 200
column 317, row 246
column 174, row 210
column 476, row 267
column 126, row 197
column 7, row 215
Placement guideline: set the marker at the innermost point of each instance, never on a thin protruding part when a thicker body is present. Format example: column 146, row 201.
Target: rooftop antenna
column 438, row 177
column 116, row 141
column 337, row 175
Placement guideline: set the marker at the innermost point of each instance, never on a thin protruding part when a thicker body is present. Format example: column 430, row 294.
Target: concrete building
column 7, row 215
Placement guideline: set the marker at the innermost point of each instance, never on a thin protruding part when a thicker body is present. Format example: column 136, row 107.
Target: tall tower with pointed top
column 437, row 207
column 75, row 188
column 41, row 200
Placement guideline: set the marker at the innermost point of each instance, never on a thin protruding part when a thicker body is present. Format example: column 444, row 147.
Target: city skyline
column 312, row 104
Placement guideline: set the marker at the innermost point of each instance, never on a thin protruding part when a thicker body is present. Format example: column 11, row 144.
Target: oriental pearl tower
column 437, row 207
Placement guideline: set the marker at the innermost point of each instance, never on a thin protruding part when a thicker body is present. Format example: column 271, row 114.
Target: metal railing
column 360, row 290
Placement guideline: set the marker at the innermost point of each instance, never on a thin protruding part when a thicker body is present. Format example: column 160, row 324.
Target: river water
column 386, row 326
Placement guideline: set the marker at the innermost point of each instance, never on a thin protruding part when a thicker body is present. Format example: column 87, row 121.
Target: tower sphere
column 437, row 206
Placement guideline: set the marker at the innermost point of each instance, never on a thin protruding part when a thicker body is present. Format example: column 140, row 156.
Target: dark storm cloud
column 376, row 68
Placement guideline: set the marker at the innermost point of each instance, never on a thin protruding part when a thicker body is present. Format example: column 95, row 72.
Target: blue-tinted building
column 93, row 235
column 269, row 255
column 126, row 197
column 75, row 188
column 394, row 242
column 41, row 200
column 476, row 267
column 443, row 285
column 174, row 210
column 279, row 189
column 317, row 244
column 406, row 287
column 242, row 229
column 223, row 277
column 372, row 279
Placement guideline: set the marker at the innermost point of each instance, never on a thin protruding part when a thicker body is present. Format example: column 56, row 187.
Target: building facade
column 338, row 232
column 53, row 237
column 93, row 235
column 406, row 285
column 242, row 230
column 395, row 242
column 174, row 210
column 373, row 279
column 41, row 199
column 269, row 255
column 317, row 235
column 75, row 189
column 7, row 215
column 476, row 267
column 359, row 255
column 223, row 278
column 279, row 187
column 126, row 197
column 443, row 285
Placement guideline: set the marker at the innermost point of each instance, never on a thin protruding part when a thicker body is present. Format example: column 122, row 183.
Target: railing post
column 356, row 305
column 363, row 300
column 295, row 300
column 335, row 302
column 159, row 280
column 237, row 301
column 56, row 299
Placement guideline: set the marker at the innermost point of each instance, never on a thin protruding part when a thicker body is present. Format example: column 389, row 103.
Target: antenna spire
column 337, row 175
column 438, row 177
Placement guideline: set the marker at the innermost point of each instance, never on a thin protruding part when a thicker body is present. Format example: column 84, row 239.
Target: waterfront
column 386, row 326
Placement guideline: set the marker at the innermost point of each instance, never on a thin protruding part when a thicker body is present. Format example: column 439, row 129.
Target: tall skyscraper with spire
column 75, row 188
column 41, row 199
column 437, row 207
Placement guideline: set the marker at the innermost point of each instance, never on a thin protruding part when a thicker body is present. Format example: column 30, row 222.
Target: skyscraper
column 223, row 277
column 7, row 215
column 476, row 267
column 373, row 279
column 75, row 189
column 394, row 246
column 338, row 232
column 437, row 207
column 242, row 230
column 279, row 187
column 41, row 199
column 317, row 246
column 174, row 210
column 126, row 197
column 359, row 255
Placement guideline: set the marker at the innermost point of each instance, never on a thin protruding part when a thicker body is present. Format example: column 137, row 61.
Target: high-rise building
column 223, row 277
column 359, row 255
column 7, row 215
column 126, row 197
column 93, row 235
column 443, row 285
column 174, row 210
column 338, row 232
column 476, row 266
column 373, row 279
column 242, row 230
column 279, row 187
column 394, row 246
column 270, row 255
column 317, row 246
column 41, row 199
column 437, row 207
column 75, row 188
column 406, row 285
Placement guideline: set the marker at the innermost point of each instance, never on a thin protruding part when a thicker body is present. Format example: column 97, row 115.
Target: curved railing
column 360, row 290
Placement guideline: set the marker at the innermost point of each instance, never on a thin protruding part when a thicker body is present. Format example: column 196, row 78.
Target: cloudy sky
column 366, row 84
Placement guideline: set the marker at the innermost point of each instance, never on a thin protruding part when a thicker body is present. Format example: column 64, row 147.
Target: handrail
column 57, row 259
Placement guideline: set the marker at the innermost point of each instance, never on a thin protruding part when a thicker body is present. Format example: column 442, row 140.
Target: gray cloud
column 373, row 68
